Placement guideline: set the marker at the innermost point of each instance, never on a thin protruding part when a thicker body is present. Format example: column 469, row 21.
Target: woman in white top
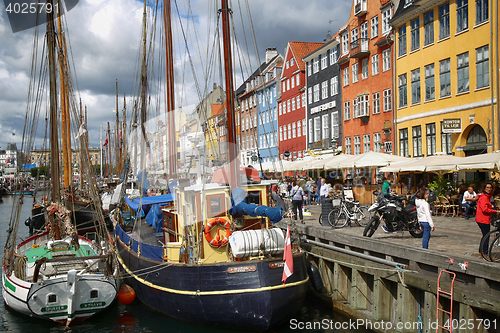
column 424, row 216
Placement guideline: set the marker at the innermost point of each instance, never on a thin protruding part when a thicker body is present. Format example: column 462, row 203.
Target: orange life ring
column 217, row 242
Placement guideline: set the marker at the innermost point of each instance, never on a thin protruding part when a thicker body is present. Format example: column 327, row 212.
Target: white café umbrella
column 489, row 161
column 297, row 165
column 369, row 159
column 439, row 164
column 332, row 162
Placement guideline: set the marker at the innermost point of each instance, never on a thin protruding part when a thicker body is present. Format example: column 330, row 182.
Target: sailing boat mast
column 65, row 121
column 234, row 165
column 172, row 142
column 117, row 143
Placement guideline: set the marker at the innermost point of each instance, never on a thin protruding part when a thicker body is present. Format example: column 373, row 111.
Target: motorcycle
column 393, row 213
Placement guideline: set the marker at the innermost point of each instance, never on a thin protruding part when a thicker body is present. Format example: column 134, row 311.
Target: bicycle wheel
column 362, row 216
column 340, row 220
column 491, row 237
column 333, row 215
column 495, row 249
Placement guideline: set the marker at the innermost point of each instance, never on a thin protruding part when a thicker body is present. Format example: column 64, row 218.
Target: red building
column 292, row 102
column 366, row 73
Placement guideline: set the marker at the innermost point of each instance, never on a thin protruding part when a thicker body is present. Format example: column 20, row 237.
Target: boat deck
column 36, row 253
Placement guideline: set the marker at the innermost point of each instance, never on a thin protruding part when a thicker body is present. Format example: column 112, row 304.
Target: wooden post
column 405, row 310
column 360, row 296
column 341, row 283
column 382, row 299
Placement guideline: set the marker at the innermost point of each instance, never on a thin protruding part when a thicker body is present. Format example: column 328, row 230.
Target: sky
column 105, row 43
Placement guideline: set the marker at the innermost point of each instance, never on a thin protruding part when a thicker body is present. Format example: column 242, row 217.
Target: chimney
column 271, row 52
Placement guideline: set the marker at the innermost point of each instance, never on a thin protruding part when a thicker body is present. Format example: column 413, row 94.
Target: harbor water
column 136, row 317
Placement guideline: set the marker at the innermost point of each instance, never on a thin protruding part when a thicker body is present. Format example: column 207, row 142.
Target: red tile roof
column 217, row 109
column 301, row 49
column 383, row 2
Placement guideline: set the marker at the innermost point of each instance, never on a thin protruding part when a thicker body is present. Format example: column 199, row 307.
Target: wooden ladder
column 450, row 294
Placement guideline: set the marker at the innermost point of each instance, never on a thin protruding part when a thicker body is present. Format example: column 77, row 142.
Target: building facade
column 366, row 71
column 292, row 122
column 446, row 77
column 324, row 98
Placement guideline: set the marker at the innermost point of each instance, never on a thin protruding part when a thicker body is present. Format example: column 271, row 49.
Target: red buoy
column 126, row 294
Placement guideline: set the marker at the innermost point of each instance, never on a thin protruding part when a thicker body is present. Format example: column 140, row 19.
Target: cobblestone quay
column 361, row 281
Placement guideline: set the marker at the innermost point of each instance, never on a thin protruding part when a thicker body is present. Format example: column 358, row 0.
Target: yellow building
column 445, row 77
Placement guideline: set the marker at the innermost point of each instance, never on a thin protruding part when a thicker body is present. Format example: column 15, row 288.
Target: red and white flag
column 105, row 142
column 287, row 257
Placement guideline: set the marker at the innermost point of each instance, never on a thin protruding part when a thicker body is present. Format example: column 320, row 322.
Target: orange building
column 366, row 76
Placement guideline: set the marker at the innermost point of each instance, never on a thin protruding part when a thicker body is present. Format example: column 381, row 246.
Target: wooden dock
column 361, row 281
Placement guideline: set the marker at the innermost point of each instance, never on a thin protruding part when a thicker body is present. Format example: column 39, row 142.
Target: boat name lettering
column 54, row 308
column 241, row 269
column 277, row 264
column 92, row 305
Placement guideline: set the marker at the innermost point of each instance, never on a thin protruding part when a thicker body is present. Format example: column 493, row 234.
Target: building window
column 387, row 100
column 481, row 11
column 293, row 103
column 309, row 93
column 364, row 105
column 355, row 110
column 386, row 60
column 317, row 129
column 348, row 145
column 377, row 144
column 364, row 69
column 415, row 34
column 345, row 44
column 417, row 141
column 388, row 147
column 297, row 80
column 299, row 126
column 429, row 27
column 281, row 133
column 444, row 20
column 354, row 35
column 354, row 73
column 429, row 82
column 463, row 72
column 403, row 100
column 294, row 133
column 316, row 65
column 289, row 131
column 386, row 26
column 298, row 102
column 374, row 26
column 402, row 40
column 375, row 64
column 333, row 56
column 346, row 76
column 316, row 92
column 376, row 103
column 366, row 143
column 357, row 145
column 347, row 110
column 431, row 138
column 326, row 126
column 334, row 85
column 335, row 125
column 415, row 86
column 304, row 126
column 462, row 15
column 444, row 78
column 403, row 142
column 310, row 131
column 324, row 61
column 304, row 99
column 324, row 89
column 482, row 67
column 446, row 146
column 309, row 68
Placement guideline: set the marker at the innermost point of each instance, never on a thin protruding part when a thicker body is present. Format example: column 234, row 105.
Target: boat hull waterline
column 245, row 295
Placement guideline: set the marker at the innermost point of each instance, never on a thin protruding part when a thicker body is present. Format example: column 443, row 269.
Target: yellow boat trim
column 206, row 293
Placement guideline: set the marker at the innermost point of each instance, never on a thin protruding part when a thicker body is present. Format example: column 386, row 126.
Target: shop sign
column 453, row 125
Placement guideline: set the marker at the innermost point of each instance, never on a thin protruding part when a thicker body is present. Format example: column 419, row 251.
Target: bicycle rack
column 438, row 309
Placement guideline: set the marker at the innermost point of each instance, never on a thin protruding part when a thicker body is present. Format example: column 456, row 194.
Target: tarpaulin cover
column 147, row 251
column 158, row 199
column 241, row 207
column 155, row 217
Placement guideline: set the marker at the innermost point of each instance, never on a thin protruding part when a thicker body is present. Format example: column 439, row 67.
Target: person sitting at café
column 469, row 201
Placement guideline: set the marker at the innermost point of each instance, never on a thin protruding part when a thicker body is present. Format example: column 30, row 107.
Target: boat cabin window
column 51, row 298
column 216, row 205
column 253, row 197
column 94, row 293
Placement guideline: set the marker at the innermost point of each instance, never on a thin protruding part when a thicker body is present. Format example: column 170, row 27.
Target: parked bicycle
column 346, row 210
column 493, row 238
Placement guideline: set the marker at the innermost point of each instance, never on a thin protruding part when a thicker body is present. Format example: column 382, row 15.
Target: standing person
column 424, row 216
column 309, row 190
column 469, row 200
column 386, row 188
column 325, row 190
column 318, row 190
column 483, row 215
column 297, row 195
column 283, row 189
